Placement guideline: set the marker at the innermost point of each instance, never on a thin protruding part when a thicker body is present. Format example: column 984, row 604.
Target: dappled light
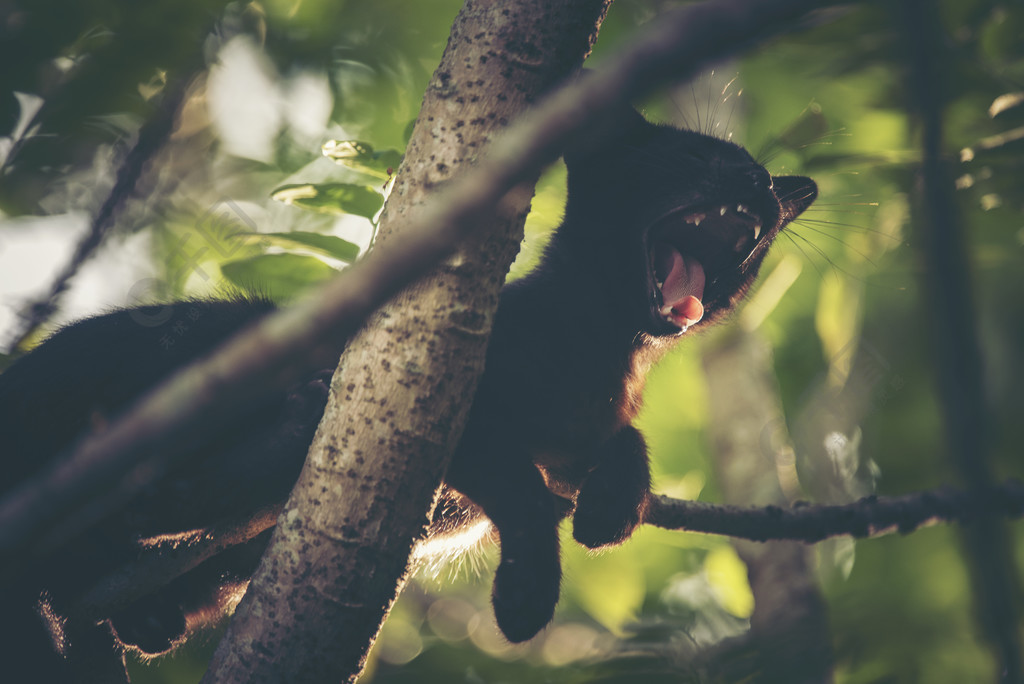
column 827, row 385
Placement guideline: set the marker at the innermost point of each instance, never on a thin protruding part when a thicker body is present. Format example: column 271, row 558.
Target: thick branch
column 789, row 611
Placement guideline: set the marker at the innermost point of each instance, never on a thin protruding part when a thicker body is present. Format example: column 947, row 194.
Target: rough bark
column 398, row 399
column 789, row 633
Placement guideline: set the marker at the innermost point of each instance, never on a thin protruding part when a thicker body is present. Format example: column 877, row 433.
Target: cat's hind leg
column 512, row 493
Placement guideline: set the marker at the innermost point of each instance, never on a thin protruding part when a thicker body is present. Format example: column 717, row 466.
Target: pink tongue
column 683, row 287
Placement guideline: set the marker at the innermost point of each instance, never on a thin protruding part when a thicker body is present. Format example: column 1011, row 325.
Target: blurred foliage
column 331, row 198
column 279, row 83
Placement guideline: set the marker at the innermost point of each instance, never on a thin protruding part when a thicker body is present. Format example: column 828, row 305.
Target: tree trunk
column 789, row 635
column 957, row 356
column 400, row 396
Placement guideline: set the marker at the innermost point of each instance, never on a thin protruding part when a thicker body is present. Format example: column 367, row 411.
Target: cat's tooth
column 742, row 209
column 697, row 220
column 722, row 210
column 757, row 231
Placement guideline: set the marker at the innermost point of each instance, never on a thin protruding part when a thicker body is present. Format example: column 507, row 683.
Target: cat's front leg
column 613, row 497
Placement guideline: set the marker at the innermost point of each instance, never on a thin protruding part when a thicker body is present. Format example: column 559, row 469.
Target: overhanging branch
column 114, row 465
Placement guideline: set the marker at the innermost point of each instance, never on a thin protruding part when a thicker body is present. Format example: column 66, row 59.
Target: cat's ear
column 795, row 194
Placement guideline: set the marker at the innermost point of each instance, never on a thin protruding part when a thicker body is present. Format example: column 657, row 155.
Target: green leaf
column 328, row 245
column 331, row 198
column 279, row 276
column 359, row 156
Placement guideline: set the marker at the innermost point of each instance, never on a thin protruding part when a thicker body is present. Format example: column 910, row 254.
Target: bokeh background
column 242, row 197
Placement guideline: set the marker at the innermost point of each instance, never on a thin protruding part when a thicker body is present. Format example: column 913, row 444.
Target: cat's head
column 687, row 218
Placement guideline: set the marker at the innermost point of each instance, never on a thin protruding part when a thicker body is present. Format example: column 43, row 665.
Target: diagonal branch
column 118, row 463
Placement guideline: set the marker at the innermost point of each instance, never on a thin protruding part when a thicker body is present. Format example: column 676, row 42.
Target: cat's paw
column 152, row 625
column 524, row 597
column 605, row 517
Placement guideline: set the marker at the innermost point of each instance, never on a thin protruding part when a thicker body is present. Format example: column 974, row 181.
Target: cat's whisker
column 792, row 197
column 847, row 204
column 851, row 226
column 826, row 138
column 711, row 110
column 790, row 236
column 696, row 107
column 849, row 208
column 831, row 262
column 836, row 238
column 768, row 152
column 837, row 210
column 819, row 251
column 703, row 117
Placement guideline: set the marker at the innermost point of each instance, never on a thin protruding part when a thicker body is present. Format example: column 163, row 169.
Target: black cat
column 664, row 232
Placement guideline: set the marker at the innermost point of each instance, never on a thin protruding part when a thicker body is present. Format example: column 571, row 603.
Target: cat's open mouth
column 689, row 248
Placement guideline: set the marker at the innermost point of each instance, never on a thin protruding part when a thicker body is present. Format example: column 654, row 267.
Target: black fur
column 550, row 428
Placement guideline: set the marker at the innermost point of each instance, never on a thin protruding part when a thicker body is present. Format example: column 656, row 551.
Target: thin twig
column 867, row 518
column 872, row 516
column 152, row 136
